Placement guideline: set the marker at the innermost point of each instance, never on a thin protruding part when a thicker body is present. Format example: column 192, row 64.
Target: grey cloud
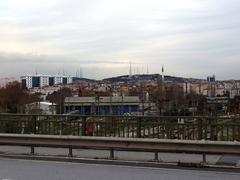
column 202, row 36
column 31, row 58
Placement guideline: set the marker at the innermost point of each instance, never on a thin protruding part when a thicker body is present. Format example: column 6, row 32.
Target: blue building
column 116, row 105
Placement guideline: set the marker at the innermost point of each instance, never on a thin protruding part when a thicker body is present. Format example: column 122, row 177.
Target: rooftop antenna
column 137, row 70
column 81, row 73
column 162, row 73
column 130, row 69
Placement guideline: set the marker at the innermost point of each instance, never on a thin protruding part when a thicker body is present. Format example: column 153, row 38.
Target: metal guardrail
column 128, row 144
column 161, row 127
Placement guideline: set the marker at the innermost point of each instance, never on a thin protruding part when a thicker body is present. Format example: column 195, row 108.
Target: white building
column 41, row 108
column 27, row 81
column 31, row 81
column 69, row 80
column 44, row 81
column 58, row 80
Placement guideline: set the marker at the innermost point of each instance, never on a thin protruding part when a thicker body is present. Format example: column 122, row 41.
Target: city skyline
column 190, row 38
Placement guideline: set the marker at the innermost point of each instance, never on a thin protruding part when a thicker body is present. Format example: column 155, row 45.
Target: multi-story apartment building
column 31, row 81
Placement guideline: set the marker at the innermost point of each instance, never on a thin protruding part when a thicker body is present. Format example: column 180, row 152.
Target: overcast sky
column 191, row 38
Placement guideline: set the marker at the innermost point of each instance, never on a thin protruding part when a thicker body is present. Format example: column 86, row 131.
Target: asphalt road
column 12, row 169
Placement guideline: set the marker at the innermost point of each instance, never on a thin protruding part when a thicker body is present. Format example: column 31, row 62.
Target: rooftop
column 103, row 99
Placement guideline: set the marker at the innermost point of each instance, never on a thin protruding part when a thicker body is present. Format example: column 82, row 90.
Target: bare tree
column 58, row 98
column 13, row 98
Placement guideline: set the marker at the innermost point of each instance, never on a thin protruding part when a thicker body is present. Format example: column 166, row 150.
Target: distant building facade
column 103, row 105
column 41, row 108
column 31, row 81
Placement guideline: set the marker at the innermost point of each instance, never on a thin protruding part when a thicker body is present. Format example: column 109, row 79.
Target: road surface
column 13, row 169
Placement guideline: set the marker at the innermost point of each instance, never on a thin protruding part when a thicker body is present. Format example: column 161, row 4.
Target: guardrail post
column 204, row 159
column 32, row 150
column 156, row 156
column 111, row 153
column 70, row 153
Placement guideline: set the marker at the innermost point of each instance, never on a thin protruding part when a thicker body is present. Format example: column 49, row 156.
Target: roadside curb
column 150, row 164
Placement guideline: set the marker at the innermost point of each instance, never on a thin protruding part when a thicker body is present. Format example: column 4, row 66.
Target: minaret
column 161, row 92
column 162, row 77
column 36, row 71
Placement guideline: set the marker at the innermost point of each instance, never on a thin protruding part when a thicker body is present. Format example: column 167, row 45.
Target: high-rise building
column 211, row 86
column 31, row 81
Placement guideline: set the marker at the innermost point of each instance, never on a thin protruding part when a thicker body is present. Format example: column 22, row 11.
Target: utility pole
column 142, row 96
column 110, row 98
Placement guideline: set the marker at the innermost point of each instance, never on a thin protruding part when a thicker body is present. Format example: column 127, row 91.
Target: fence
column 161, row 127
